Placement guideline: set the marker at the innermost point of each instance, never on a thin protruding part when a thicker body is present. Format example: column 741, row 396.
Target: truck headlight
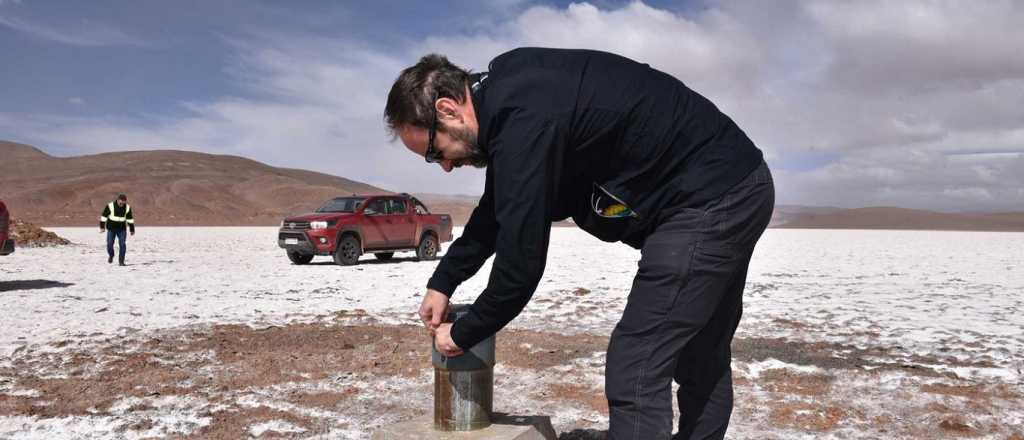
column 318, row 225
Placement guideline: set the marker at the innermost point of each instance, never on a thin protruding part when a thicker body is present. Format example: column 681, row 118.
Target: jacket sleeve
column 476, row 244
column 130, row 219
column 103, row 216
column 526, row 160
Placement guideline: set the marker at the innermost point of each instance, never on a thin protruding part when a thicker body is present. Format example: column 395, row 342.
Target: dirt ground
column 29, row 235
column 305, row 379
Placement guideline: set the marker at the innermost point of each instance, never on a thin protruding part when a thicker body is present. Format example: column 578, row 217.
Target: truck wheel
column 427, row 249
column 384, row 256
column 298, row 258
column 348, row 251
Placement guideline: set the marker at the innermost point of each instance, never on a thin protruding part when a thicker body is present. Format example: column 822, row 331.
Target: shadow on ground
column 152, row 263
column 10, row 286
column 584, row 434
column 392, row 260
column 371, row 262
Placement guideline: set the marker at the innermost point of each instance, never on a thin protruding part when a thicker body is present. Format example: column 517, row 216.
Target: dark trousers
column 682, row 311
column 121, row 235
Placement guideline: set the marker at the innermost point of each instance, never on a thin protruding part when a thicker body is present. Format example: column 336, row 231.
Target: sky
column 913, row 103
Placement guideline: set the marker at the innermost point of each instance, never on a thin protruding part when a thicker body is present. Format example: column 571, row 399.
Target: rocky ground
column 346, row 374
column 26, row 234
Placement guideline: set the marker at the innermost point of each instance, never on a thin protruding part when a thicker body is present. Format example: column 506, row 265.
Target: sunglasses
column 433, row 155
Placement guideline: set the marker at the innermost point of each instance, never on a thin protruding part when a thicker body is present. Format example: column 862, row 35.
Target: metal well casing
column 464, row 385
column 463, row 399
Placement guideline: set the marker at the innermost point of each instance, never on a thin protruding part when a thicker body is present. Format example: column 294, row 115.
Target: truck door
column 402, row 226
column 375, row 215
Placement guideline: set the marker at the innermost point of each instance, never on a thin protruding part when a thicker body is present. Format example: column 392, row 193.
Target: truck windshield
column 342, row 204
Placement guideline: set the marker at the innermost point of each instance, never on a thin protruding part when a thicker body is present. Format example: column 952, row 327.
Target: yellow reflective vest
column 109, row 215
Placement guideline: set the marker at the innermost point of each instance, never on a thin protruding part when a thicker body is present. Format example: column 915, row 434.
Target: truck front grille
column 297, row 225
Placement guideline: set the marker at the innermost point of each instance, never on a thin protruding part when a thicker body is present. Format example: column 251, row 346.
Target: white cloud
column 918, row 42
column 892, row 95
column 710, row 49
column 912, row 178
column 887, row 88
column 81, row 33
column 76, row 100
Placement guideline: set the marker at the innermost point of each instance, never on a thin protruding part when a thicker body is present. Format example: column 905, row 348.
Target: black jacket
column 110, row 219
column 563, row 128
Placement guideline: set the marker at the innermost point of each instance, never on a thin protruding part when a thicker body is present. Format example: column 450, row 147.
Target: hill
column 165, row 187
column 903, row 218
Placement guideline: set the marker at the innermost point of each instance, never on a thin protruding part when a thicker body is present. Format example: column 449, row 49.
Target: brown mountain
column 787, row 213
column 902, row 218
column 163, row 187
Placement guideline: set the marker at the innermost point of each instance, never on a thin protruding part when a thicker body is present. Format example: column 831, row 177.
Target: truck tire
column 384, row 256
column 427, row 250
column 348, row 251
column 300, row 259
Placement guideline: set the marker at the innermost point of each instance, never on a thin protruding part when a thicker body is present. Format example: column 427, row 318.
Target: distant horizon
column 471, row 196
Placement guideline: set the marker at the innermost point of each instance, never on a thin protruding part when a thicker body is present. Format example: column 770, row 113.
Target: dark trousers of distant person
column 121, row 235
column 680, row 317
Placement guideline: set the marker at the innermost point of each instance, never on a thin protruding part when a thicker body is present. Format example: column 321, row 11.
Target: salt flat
column 896, row 312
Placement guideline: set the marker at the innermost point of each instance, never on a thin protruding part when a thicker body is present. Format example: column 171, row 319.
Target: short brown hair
column 412, row 97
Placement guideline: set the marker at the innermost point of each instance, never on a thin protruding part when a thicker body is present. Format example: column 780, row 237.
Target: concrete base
column 503, row 427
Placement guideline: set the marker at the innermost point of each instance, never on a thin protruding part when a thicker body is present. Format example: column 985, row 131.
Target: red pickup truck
column 6, row 242
column 347, row 227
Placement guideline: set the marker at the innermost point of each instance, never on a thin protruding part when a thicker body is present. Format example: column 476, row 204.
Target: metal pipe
column 464, row 385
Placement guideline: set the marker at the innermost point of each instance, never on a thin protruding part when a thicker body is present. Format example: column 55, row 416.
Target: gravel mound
column 29, row 235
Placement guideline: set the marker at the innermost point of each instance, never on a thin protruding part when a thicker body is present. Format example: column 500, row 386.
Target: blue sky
column 912, row 103
column 145, row 58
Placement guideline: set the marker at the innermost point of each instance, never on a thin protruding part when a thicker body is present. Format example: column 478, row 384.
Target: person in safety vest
column 115, row 216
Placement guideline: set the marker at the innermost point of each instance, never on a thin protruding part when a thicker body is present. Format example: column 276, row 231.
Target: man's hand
column 132, row 232
column 433, row 309
column 444, row 343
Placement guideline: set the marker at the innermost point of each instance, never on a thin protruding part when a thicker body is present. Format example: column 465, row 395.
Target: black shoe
column 120, row 263
column 110, row 259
